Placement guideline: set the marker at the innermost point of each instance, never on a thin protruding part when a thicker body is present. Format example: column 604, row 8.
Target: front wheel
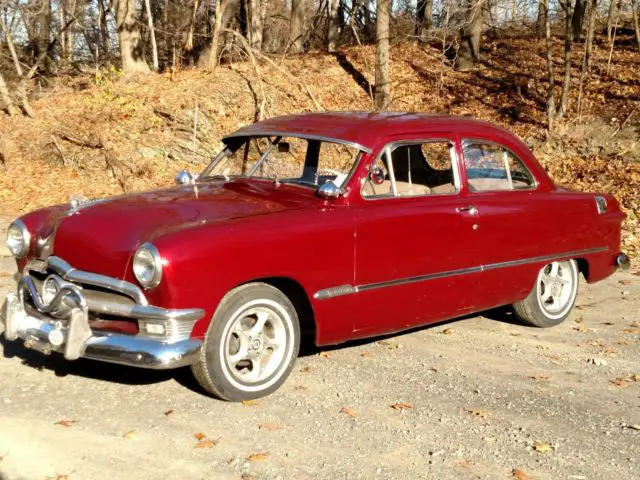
column 251, row 344
column 552, row 297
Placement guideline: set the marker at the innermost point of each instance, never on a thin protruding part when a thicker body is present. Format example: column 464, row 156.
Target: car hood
column 108, row 231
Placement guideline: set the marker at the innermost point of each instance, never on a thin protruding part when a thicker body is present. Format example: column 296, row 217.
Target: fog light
column 152, row 328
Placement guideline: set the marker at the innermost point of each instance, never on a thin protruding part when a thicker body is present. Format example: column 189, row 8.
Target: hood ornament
column 79, row 201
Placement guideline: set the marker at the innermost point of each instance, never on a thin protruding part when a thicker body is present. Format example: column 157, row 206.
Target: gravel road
column 480, row 397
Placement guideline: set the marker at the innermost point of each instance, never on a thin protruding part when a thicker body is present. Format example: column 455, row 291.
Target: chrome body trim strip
column 320, row 138
column 350, row 289
column 67, row 272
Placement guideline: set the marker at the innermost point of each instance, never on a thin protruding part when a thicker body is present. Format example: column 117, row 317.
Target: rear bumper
column 74, row 338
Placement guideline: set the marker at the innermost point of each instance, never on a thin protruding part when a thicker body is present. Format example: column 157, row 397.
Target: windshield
column 285, row 159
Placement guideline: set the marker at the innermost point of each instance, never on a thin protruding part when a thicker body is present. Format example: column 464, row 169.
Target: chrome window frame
column 471, row 140
column 360, row 151
column 389, row 147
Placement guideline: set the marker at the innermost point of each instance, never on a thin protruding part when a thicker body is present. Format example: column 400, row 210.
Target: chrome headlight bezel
column 147, row 265
column 19, row 229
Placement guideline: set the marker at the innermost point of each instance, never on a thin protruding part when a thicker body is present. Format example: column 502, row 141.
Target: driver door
column 416, row 238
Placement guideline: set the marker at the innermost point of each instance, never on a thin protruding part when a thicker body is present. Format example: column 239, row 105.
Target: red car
column 336, row 225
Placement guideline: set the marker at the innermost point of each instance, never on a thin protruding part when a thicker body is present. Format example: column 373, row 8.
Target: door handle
column 470, row 209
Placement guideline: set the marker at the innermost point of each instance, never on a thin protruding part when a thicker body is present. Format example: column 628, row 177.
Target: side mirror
column 377, row 176
column 329, row 190
column 185, row 178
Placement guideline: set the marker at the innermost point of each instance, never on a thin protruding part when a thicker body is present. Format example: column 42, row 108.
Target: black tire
column 538, row 311
column 230, row 329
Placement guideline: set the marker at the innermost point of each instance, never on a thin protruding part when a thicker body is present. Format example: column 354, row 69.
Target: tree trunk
column 66, row 10
column 613, row 12
column 636, row 14
column 578, row 18
column 382, row 94
column 568, row 51
column 44, row 33
column 469, row 51
column 152, row 35
column 103, row 32
column 551, row 100
column 256, row 24
column 5, row 98
column 212, row 61
column 295, row 26
column 586, row 60
column 188, row 43
column 542, row 18
column 131, row 52
column 424, row 19
column 332, row 31
column 12, row 49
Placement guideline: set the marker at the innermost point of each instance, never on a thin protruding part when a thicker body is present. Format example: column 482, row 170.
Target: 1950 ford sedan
column 340, row 225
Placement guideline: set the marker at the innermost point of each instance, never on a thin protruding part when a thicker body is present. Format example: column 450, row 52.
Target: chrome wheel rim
column 255, row 345
column 556, row 288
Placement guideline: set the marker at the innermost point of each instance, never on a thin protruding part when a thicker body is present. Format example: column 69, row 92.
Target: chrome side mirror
column 330, row 190
column 377, row 176
column 185, row 178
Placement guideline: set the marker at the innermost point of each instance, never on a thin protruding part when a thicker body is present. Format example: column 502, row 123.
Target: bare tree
column 256, row 22
column 332, row 31
column 611, row 18
column 382, row 93
column 212, row 58
column 469, row 51
column 424, row 19
column 152, row 35
column 542, row 17
column 636, row 13
column 551, row 100
column 568, row 52
column 5, row 97
column 586, row 59
column 578, row 18
column 295, row 25
column 131, row 49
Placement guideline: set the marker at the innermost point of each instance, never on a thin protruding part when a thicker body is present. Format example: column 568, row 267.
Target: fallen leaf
column 579, row 320
column 349, row 412
column 250, row 403
column 519, row 474
column 621, row 382
column 478, row 413
column 434, row 369
column 59, row 476
column 631, row 331
column 258, row 457
column 624, row 342
column 269, row 426
column 200, row 436
column 608, row 351
column 207, row 443
column 168, row 412
column 325, row 354
column 540, row 377
column 247, row 476
column 65, row 423
column 366, row 354
column 466, row 464
column 388, row 344
column 401, row 406
column 583, row 329
column 608, row 323
column 303, row 388
column 542, row 447
column 446, row 331
column 634, row 324
column 307, row 370
column 129, row 435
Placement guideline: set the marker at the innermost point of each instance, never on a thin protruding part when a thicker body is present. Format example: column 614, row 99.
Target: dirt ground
column 479, row 397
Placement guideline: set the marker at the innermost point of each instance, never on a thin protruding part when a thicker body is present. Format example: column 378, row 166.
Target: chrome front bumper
column 63, row 326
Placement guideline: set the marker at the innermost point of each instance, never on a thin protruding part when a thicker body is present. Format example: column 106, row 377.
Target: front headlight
column 147, row 265
column 18, row 238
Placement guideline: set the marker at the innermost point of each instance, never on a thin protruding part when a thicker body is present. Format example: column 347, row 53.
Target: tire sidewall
column 542, row 317
column 253, row 295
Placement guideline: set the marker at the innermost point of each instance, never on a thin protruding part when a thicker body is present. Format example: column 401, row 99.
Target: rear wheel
column 251, row 344
column 552, row 297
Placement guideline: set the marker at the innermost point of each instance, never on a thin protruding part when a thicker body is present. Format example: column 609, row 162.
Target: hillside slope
column 102, row 135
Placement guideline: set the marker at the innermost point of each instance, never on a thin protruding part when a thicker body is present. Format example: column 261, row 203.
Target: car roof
column 362, row 129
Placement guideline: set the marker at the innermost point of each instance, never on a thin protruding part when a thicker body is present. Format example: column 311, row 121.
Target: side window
column 418, row 169
column 491, row 167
